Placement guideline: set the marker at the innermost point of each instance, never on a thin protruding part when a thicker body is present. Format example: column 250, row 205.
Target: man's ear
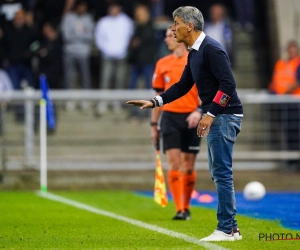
column 190, row 27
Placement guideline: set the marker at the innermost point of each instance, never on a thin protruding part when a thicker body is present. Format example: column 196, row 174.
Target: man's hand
column 193, row 119
column 204, row 125
column 141, row 103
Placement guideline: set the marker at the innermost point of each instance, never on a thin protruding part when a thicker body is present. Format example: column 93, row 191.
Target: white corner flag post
column 43, row 145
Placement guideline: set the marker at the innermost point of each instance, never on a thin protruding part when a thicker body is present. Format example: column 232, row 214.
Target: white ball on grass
column 254, row 191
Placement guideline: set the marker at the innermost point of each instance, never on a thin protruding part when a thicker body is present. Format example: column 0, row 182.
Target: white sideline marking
column 134, row 222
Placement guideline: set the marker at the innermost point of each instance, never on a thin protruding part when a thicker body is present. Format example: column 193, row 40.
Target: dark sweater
column 17, row 43
column 210, row 69
column 145, row 52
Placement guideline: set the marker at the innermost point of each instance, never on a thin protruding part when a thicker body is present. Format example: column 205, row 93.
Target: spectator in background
column 77, row 33
column 218, row 27
column 6, row 85
column 16, row 41
column 112, row 36
column 8, row 9
column 286, row 70
column 5, row 89
column 142, row 48
column 141, row 55
column 285, row 117
column 50, row 56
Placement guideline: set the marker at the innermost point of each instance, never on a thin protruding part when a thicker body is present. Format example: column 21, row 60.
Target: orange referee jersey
column 168, row 71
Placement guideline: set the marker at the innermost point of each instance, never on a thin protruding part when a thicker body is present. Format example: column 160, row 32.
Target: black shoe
column 179, row 216
column 187, row 214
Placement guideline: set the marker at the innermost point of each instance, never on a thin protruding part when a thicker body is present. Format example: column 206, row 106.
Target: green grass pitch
column 28, row 221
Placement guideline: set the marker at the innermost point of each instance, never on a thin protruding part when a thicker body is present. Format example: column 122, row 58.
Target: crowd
column 60, row 38
column 99, row 44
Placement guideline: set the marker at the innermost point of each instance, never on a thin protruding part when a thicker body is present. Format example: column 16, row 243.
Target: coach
column 209, row 67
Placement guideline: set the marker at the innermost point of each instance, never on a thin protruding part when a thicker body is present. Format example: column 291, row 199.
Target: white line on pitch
column 134, row 222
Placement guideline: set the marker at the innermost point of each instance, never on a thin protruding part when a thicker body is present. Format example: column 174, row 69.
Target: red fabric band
column 221, row 98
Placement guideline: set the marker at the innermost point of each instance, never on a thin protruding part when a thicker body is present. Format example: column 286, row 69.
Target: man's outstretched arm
column 141, row 103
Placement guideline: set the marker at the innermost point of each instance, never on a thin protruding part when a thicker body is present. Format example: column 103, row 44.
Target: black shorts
column 176, row 134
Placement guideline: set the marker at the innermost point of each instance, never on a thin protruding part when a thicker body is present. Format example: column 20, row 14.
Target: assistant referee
column 178, row 127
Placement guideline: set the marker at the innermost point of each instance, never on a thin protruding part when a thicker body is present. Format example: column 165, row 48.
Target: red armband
column 221, row 98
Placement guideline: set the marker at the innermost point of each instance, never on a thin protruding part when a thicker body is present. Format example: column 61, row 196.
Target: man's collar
column 198, row 42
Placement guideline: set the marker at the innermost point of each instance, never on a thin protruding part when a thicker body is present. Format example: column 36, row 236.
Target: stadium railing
column 113, row 141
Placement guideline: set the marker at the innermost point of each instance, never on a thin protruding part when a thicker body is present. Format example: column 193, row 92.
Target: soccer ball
column 254, row 191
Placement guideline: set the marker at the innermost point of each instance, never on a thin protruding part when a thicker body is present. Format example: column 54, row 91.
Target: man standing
column 8, row 10
column 77, row 33
column 142, row 48
column 178, row 127
column 142, row 52
column 16, row 41
column 112, row 36
column 219, row 28
column 209, row 66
